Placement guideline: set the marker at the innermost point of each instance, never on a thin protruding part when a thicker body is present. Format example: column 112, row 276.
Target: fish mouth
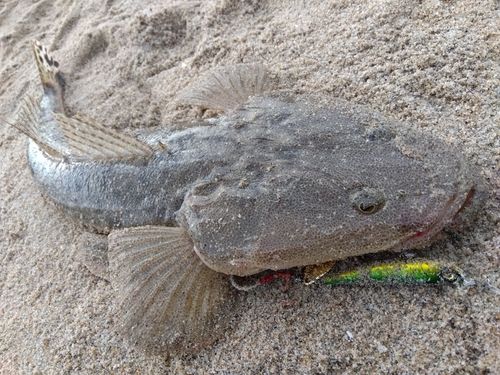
column 447, row 216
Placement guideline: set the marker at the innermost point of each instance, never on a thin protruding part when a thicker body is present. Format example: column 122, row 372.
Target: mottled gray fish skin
column 278, row 181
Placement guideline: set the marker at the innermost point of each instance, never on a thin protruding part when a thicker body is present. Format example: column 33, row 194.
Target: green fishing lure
column 420, row 271
column 415, row 271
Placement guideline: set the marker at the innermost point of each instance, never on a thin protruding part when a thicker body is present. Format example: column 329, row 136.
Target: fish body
column 277, row 181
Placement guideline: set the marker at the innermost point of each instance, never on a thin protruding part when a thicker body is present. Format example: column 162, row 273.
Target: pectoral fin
column 227, row 87
column 170, row 300
column 90, row 141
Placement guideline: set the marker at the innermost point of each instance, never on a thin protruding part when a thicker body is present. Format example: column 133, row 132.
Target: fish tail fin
column 227, row 87
column 48, row 68
column 170, row 300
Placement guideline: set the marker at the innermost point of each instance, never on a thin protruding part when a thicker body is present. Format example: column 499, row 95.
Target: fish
column 276, row 180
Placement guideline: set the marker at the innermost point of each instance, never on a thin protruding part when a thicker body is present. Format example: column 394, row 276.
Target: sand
column 434, row 65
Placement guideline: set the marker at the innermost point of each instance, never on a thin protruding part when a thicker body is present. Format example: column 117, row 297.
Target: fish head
column 360, row 191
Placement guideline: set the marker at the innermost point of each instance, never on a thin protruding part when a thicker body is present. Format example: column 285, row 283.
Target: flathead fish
column 278, row 180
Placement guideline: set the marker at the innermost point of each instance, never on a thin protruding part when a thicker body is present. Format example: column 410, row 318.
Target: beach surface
column 432, row 65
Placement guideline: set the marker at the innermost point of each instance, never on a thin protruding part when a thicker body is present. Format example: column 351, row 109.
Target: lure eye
column 367, row 200
column 450, row 274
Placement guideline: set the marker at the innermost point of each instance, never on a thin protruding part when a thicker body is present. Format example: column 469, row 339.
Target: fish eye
column 367, row 207
column 367, row 200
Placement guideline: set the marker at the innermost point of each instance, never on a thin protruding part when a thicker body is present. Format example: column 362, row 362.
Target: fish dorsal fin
column 227, row 87
column 169, row 299
column 90, row 141
column 30, row 120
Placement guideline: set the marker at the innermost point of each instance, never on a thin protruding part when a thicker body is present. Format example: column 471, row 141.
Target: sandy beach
column 432, row 65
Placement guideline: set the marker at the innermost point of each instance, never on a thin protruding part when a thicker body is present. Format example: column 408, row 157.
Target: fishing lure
column 419, row 271
column 415, row 271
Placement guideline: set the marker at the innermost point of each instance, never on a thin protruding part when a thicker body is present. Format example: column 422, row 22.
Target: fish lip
column 447, row 216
